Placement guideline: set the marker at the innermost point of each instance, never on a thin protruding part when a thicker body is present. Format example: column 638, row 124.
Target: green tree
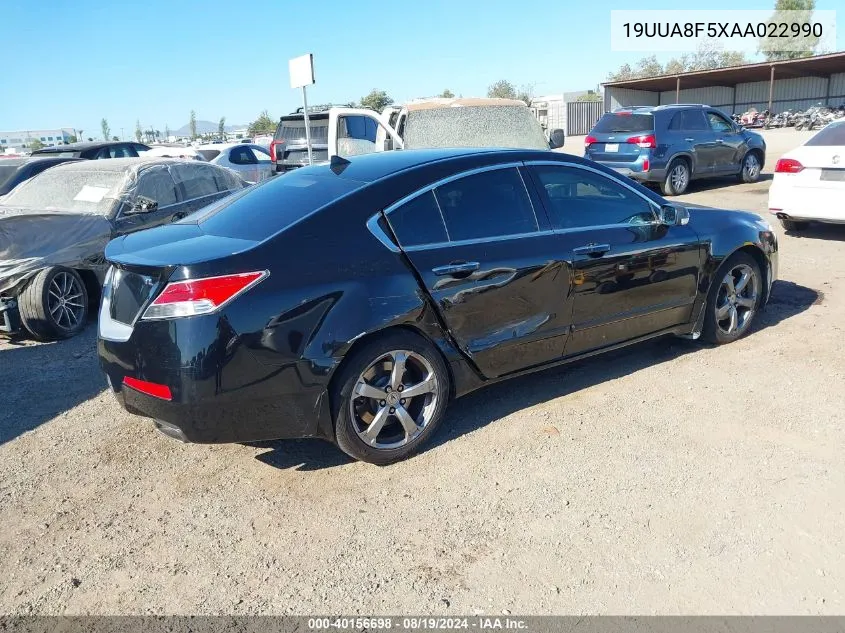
column 502, row 89
column 708, row 55
column 447, row 94
column 590, row 95
column 36, row 144
column 72, row 139
column 193, row 125
column 138, row 132
column 221, row 127
column 776, row 49
column 526, row 93
column 114, row 138
column 377, row 100
column 264, row 124
column 104, row 126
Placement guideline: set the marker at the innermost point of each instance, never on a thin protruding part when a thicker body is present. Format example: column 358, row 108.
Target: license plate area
column 833, row 175
column 611, row 147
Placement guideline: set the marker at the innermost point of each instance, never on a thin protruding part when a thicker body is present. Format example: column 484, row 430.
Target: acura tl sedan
column 351, row 301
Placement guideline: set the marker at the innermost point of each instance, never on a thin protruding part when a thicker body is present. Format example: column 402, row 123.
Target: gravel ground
column 669, row 478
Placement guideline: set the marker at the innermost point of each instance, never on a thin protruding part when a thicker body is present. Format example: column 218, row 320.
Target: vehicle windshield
column 69, row 190
column 474, row 126
column 293, row 131
column 624, row 122
column 833, row 134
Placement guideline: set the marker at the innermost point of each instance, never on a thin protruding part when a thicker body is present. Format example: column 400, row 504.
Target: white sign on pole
column 301, row 71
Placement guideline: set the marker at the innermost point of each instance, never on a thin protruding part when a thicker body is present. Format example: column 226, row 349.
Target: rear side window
column 689, row 120
column 241, row 156
column 624, row 122
column 197, row 180
column 490, row 204
column 831, row 135
column 157, row 183
column 418, row 222
column 268, row 208
column 209, row 154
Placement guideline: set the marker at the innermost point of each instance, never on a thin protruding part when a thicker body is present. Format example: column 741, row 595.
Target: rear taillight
column 200, row 296
column 273, row 145
column 788, row 166
column 150, row 388
column 589, row 140
column 646, row 165
column 644, row 140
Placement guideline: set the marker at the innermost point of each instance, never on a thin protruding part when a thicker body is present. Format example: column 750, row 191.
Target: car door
column 155, row 183
column 493, row 269
column 631, row 276
column 354, row 131
column 729, row 141
column 690, row 129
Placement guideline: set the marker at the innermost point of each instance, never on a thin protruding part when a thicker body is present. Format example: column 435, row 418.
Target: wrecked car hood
column 32, row 239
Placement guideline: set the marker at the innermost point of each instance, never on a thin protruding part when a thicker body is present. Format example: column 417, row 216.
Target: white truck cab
column 422, row 123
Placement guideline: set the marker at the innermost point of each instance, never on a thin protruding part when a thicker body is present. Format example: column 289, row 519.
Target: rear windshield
column 624, row 122
column 266, row 209
column 833, row 134
column 474, row 126
column 293, row 131
column 69, row 190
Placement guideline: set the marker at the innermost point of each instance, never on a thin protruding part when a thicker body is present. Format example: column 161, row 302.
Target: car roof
column 121, row 164
column 80, row 147
column 445, row 102
column 26, row 160
column 378, row 165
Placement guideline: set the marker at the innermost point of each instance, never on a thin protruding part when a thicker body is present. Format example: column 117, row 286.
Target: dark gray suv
column 673, row 144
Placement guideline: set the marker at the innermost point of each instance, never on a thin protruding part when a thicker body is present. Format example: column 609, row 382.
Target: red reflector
column 624, row 113
column 589, row 140
column 788, row 166
column 149, row 388
column 645, row 165
column 644, row 140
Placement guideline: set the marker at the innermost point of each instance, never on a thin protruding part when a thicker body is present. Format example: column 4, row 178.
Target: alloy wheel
column 65, row 301
column 737, row 299
column 679, row 177
column 751, row 166
column 394, row 399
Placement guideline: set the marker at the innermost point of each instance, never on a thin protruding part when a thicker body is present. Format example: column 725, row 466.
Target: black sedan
column 14, row 171
column 351, row 301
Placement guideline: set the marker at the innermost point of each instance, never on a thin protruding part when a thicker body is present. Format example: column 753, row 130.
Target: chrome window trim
column 481, row 240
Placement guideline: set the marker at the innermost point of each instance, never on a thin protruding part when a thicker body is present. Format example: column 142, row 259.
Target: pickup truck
column 422, row 123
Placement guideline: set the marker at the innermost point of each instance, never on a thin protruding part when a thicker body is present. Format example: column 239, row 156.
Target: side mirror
column 673, row 215
column 557, row 138
column 144, row 205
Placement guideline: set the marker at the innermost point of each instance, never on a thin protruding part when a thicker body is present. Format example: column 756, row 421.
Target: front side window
column 157, row 184
column 418, row 222
column 579, row 198
column 488, row 204
column 718, row 123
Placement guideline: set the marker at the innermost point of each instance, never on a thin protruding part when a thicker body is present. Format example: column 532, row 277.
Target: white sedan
column 809, row 182
column 251, row 161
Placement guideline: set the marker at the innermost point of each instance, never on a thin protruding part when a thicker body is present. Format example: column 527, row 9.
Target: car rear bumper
column 219, row 390
column 807, row 203
column 637, row 170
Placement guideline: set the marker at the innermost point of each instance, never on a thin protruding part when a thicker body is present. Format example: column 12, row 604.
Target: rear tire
column 374, row 423
column 794, row 225
column 734, row 299
column 54, row 304
column 677, row 178
column 750, row 169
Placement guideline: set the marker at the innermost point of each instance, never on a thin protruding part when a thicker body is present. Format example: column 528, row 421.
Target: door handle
column 689, row 140
column 593, row 250
column 178, row 216
column 720, row 141
column 456, row 269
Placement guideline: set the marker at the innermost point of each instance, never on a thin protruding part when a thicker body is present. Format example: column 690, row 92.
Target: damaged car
column 352, row 301
column 55, row 226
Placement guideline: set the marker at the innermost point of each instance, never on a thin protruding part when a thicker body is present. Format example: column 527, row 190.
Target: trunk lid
column 824, row 168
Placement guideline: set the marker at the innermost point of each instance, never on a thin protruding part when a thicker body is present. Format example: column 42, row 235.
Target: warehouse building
column 22, row 139
column 795, row 84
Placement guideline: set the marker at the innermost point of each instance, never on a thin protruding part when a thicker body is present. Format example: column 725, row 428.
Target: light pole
column 122, row 137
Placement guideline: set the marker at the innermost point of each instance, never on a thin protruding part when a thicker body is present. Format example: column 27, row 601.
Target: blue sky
column 81, row 60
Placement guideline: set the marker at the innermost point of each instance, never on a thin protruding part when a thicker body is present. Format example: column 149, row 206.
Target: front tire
column 390, row 398
column 751, row 167
column 733, row 300
column 54, row 304
column 794, row 225
column 677, row 178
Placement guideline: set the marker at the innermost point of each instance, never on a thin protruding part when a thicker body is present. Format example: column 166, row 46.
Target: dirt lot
column 670, row 478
